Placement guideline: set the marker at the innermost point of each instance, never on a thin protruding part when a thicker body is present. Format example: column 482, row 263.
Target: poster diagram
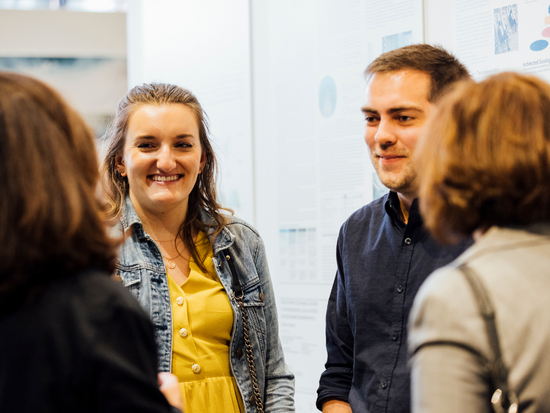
column 395, row 41
column 541, row 44
column 506, row 29
column 327, row 96
column 491, row 36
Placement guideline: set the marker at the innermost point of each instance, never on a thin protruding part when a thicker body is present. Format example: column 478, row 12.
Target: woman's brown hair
column 51, row 222
column 204, row 194
column 484, row 158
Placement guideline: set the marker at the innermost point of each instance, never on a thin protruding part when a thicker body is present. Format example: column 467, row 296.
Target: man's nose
column 385, row 135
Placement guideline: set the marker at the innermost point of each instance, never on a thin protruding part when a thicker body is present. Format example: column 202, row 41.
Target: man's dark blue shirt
column 381, row 264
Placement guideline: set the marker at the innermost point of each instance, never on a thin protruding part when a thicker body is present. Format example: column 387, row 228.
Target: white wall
column 26, row 33
column 203, row 46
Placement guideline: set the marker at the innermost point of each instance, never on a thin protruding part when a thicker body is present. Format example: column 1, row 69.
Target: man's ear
column 119, row 162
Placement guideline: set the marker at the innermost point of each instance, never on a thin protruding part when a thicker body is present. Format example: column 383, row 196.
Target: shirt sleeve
column 335, row 382
column 120, row 369
column 448, row 347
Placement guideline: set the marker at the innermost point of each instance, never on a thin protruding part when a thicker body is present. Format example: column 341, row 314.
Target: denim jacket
column 141, row 269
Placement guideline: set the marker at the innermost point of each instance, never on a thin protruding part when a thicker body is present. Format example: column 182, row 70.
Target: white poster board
column 312, row 167
column 492, row 36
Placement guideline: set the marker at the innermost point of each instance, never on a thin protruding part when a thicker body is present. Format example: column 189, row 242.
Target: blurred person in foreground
column 384, row 252
column 72, row 339
column 200, row 274
column 486, row 161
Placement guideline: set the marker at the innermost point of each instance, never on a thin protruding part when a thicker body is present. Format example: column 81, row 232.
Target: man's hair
column 485, row 156
column 203, row 195
column 442, row 67
column 51, row 222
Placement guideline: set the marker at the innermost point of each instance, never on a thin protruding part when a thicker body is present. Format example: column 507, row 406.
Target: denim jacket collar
column 224, row 239
column 129, row 218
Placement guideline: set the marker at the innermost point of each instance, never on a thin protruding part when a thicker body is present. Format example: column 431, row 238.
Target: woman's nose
column 166, row 160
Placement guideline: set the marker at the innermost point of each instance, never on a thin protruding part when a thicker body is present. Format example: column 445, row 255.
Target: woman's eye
column 144, row 145
column 184, row 145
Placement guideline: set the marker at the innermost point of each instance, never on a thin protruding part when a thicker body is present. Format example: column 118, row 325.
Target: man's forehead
column 403, row 88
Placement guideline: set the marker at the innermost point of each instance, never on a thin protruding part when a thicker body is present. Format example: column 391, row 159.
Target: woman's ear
column 119, row 162
column 203, row 162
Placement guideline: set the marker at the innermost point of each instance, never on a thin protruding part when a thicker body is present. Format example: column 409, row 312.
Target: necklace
column 170, row 262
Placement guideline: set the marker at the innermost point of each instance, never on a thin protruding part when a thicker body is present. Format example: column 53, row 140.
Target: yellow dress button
column 179, row 301
column 183, row 332
column 196, row 368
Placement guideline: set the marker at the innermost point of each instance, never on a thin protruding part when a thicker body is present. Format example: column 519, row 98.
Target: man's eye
column 405, row 118
column 370, row 119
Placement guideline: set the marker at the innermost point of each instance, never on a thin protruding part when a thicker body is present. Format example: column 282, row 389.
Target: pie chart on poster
column 546, row 32
column 539, row 45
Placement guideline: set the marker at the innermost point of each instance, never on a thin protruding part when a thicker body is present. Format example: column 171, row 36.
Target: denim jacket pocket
column 131, row 279
column 253, row 302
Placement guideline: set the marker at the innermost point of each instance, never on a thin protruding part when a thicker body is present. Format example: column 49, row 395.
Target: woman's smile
column 165, row 178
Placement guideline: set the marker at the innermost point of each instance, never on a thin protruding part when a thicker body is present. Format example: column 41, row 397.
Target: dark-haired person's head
column 117, row 185
column 51, row 223
column 402, row 86
column 442, row 67
column 485, row 157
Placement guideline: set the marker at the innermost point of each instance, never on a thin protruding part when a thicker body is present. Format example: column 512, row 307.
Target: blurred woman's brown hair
column 484, row 158
column 51, row 223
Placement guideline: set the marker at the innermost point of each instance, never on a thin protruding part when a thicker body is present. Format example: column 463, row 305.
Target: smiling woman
column 201, row 275
column 162, row 158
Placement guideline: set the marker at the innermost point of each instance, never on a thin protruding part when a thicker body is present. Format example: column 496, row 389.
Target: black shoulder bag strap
column 238, row 292
column 503, row 399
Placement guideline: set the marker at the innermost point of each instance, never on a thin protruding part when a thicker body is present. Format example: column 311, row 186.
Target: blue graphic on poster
column 327, row 96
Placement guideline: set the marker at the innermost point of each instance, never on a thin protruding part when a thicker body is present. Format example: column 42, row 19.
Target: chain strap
column 250, row 357
column 238, row 294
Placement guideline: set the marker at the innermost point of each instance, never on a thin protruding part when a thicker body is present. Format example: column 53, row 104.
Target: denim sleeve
column 335, row 382
column 279, row 381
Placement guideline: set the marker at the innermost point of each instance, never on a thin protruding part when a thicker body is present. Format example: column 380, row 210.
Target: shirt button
column 196, row 368
column 179, row 301
column 384, row 384
column 239, row 353
column 408, row 241
column 400, row 288
column 395, row 336
column 183, row 332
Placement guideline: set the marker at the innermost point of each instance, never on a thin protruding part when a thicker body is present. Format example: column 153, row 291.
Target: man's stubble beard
column 404, row 182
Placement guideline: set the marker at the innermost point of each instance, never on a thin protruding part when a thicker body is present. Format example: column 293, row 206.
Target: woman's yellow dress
column 202, row 320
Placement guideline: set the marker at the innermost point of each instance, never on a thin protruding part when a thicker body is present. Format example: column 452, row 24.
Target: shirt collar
column 393, row 209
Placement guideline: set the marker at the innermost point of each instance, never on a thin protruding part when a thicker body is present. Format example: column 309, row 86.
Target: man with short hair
column 384, row 253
